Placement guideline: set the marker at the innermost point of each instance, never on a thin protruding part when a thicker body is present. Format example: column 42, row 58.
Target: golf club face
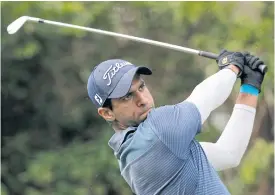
column 17, row 24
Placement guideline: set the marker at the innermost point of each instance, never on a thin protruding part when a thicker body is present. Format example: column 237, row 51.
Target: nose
column 141, row 99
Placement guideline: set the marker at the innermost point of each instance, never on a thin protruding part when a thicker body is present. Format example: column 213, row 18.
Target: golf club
column 18, row 23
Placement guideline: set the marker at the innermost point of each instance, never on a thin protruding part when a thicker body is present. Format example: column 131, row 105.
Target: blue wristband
column 246, row 88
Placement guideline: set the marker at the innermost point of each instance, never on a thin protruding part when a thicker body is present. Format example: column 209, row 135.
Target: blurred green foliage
column 53, row 141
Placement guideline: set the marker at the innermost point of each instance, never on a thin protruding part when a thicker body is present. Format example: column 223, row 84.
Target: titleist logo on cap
column 111, row 72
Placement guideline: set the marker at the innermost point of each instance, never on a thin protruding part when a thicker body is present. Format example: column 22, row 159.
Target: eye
column 127, row 97
column 142, row 86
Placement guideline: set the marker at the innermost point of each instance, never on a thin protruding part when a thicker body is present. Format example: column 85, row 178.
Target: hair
column 108, row 104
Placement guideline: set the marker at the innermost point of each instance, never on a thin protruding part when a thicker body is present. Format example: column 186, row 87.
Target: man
column 156, row 147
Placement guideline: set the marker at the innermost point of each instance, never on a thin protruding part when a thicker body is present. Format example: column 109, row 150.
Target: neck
column 117, row 126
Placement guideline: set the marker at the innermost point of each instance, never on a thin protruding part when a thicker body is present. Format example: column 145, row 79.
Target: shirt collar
column 119, row 137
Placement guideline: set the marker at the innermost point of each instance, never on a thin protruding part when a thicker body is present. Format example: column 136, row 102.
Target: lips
column 146, row 111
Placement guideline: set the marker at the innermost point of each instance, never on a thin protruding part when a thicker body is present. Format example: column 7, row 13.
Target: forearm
column 228, row 151
column 213, row 91
column 247, row 99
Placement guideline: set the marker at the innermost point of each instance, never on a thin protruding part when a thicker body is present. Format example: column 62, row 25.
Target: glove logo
column 224, row 60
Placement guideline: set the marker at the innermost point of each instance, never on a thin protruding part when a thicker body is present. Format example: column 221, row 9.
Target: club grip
column 208, row 55
column 262, row 68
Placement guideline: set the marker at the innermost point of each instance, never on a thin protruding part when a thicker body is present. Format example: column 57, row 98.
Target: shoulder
column 182, row 106
column 173, row 114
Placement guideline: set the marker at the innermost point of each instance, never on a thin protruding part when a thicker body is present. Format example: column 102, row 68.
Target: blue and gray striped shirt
column 162, row 157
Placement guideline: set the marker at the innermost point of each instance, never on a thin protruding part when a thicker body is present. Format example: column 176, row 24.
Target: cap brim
column 125, row 82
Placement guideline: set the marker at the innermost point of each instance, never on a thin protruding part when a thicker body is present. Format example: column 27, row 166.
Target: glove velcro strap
column 235, row 59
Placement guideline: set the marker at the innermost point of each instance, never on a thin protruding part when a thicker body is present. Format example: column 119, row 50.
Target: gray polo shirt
column 161, row 155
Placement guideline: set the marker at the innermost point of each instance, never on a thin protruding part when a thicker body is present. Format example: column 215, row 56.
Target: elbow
column 234, row 160
column 234, row 164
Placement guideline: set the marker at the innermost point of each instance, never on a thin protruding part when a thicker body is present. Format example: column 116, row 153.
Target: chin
column 143, row 118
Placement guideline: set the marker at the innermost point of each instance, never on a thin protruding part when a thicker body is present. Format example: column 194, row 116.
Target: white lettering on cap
column 98, row 99
column 111, row 72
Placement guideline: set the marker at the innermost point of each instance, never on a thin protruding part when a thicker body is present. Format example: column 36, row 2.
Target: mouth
column 146, row 112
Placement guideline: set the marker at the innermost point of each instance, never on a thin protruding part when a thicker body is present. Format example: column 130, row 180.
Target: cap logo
column 98, row 99
column 111, row 72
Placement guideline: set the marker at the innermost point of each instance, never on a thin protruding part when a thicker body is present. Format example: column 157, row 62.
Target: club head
column 17, row 24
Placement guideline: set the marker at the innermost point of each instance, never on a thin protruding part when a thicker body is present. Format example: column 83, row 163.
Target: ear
column 106, row 113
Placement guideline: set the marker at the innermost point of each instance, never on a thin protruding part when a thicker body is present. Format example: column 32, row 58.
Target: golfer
column 156, row 147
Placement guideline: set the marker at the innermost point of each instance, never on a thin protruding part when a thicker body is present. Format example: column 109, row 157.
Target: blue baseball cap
column 112, row 79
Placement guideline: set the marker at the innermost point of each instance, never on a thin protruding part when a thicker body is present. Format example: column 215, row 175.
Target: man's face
column 132, row 109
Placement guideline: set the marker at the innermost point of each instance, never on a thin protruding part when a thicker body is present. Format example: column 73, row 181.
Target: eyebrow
column 131, row 91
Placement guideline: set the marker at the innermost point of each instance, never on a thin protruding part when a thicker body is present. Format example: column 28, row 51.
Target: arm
column 227, row 152
column 176, row 126
column 213, row 91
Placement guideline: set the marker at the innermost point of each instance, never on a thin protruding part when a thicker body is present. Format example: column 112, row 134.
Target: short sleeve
column 176, row 126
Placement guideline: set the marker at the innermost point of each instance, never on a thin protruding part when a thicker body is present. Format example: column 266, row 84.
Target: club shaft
column 133, row 38
column 210, row 55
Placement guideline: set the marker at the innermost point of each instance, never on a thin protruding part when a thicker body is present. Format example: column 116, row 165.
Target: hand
column 251, row 75
column 252, row 61
column 226, row 58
